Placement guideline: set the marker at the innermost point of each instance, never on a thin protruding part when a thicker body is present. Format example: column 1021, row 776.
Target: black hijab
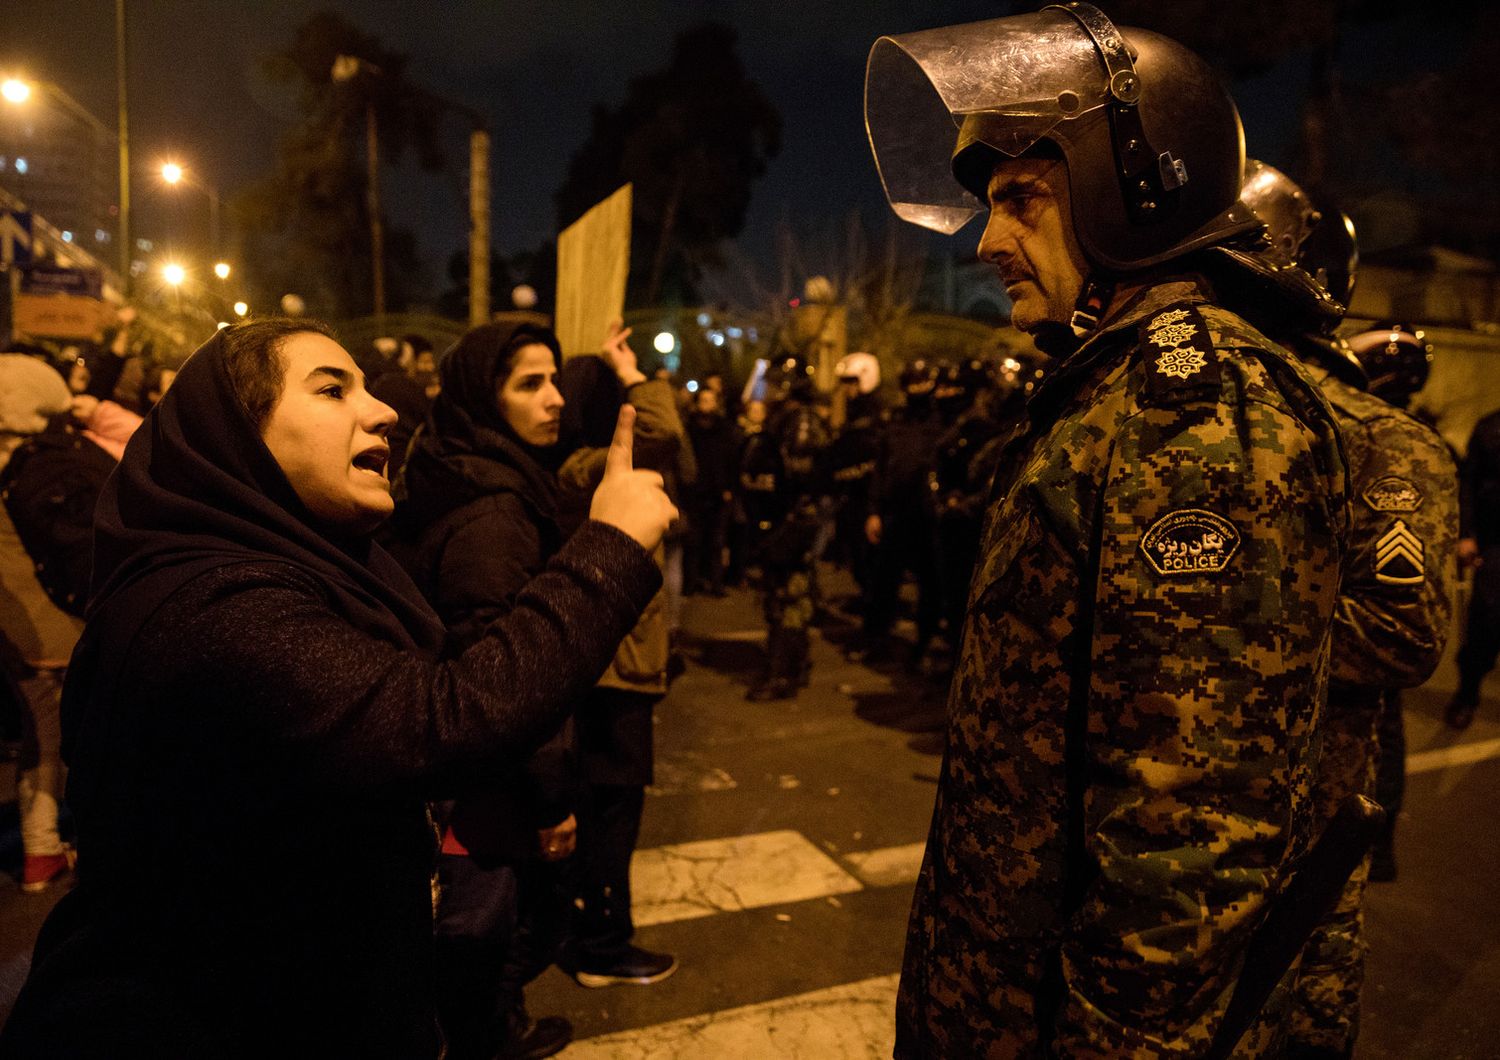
column 467, row 449
column 198, row 489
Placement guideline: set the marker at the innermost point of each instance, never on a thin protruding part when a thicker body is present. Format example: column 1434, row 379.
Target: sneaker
column 543, row 1037
column 41, row 870
column 636, row 966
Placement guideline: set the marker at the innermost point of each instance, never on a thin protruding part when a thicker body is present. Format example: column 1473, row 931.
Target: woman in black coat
column 259, row 709
column 481, row 505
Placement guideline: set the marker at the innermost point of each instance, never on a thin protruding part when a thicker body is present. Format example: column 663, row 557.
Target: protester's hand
column 559, row 841
column 620, row 356
column 84, row 407
column 1468, row 553
column 125, row 315
column 873, row 528
column 627, row 499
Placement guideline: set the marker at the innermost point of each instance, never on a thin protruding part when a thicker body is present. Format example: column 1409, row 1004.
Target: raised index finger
column 622, row 448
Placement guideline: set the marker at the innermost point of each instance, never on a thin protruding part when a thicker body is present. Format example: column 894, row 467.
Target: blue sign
column 15, row 237
column 54, row 279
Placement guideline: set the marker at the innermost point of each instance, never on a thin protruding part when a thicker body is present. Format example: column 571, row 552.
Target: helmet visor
column 1005, row 83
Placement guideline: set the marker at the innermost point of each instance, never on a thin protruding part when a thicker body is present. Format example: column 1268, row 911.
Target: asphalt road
column 781, row 840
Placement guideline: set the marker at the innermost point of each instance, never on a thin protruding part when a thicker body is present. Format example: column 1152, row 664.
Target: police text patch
column 1393, row 494
column 1400, row 557
column 1190, row 541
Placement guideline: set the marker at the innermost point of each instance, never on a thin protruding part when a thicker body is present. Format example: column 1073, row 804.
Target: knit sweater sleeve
column 347, row 713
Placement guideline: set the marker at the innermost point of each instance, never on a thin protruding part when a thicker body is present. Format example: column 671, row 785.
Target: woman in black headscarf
column 480, row 506
column 259, row 707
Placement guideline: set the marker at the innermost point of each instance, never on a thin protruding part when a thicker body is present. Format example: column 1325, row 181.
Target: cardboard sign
column 593, row 262
column 60, row 316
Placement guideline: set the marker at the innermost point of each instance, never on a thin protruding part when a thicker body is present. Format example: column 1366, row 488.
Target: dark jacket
column 1479, row 484
column 253, row 721
column 483, row 512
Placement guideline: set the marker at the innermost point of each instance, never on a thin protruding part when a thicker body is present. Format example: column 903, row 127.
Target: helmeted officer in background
column 1479, row 549
column 1395, row 601
column 967, row 397
column 1128, row 775
column 900, row 526
column 784, row 479
column 851, row 461
column 1397, row 360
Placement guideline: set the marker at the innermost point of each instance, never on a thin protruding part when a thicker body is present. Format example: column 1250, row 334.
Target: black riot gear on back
column 1397, row 358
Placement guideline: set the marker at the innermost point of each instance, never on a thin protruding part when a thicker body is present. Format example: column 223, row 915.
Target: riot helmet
column 918, row 374
column 1397, row 358
column 789, row 377
column 1321, row 243
column 1308, row 308
column 862, row 369
column 960, row 383
column 1151, row 142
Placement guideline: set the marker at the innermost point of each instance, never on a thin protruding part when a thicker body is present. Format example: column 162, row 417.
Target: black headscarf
column 467, row 449
column 593, row 394
column 198, row 489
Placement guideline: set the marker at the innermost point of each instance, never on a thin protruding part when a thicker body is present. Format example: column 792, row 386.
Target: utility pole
column 479, row 226
column 372, row 187
column 123, row 128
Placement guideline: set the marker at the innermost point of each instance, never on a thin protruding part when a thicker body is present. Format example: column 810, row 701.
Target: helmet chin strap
column 1057, row 339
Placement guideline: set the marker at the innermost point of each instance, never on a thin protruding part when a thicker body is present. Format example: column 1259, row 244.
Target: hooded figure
column 481, row 506
column 256, row 713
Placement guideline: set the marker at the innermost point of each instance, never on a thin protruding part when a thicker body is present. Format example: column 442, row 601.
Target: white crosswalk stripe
column 849, row 1022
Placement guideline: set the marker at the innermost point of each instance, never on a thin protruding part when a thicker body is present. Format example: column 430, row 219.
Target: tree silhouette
column 308, row 223
column 692, row 138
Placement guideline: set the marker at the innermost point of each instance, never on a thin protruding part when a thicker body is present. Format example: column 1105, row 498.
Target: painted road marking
column 888, row 866
column 848, row 1022
column 689, row 880
column 1462, row 754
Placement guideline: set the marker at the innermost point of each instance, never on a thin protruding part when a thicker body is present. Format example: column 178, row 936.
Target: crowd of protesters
column 487, row 670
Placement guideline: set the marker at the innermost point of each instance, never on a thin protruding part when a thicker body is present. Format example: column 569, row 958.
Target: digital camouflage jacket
column 1128, row 773
column 1389, row 629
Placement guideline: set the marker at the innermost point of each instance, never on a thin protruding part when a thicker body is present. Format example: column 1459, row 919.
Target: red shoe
column 42, row 869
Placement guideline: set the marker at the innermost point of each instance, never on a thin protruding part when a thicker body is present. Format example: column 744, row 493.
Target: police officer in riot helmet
column 784, row 478
column 1394, row 608
column 967, row 398
column 851, row 460
column 1172, row 509
column 900, row 528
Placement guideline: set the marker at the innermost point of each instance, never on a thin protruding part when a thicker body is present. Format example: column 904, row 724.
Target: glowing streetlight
column 15, row 90
column 173, row 274
column 171, row 172
column 665, row 342
column 240, row 309
column 221, row 270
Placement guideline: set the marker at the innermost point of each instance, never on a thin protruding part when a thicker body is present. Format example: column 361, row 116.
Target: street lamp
column 173, row 273
column 221, row 270
column 173, row 173
column 241, row 308
column 18, row 91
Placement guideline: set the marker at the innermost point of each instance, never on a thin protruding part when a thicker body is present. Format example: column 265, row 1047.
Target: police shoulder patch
column 1190, row 541
column 1178, row 351
column 1393, row 494
column 1400, row 557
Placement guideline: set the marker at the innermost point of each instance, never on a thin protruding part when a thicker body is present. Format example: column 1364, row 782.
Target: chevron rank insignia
column 1178, row 351
column 1399, row 557
column 1393, row 494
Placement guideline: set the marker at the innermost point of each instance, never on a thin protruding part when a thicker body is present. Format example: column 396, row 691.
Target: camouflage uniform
column 1389, row 629
column 1130, row 745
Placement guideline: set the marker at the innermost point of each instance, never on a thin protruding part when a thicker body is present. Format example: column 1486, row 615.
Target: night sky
column 199, row 95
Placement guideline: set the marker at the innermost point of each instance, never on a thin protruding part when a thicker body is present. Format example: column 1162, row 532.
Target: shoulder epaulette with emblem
column 1178, row 352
